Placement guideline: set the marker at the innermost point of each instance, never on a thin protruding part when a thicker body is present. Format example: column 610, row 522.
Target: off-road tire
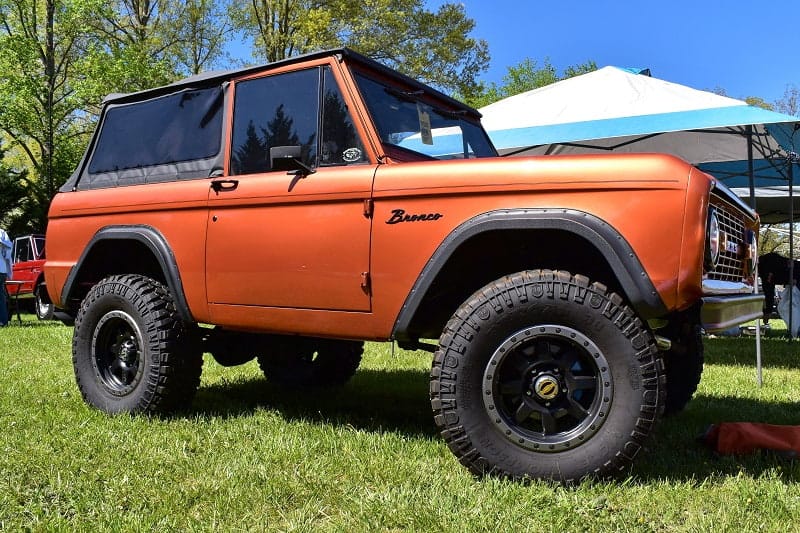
column 306, row 362
column 591, row 367
column 130, row 350
column 683, row 362
column 44, row 307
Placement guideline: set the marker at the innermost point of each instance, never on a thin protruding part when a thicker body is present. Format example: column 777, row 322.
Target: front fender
column 632, row 276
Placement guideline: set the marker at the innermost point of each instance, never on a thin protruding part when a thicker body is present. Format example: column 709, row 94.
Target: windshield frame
column 453, row 129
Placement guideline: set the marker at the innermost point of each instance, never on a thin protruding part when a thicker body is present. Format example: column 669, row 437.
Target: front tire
column 545, row 375
column 130, row 351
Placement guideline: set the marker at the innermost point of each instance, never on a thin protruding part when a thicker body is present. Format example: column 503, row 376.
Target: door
column 284, row 240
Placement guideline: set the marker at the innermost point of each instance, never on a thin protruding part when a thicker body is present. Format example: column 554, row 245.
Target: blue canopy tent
column 626, row 110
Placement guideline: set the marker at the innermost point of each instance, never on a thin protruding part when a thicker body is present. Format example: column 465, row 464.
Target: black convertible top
column 106, row 175
column 207, row 79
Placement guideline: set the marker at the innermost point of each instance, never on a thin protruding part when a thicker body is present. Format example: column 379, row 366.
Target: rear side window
column 179, row 127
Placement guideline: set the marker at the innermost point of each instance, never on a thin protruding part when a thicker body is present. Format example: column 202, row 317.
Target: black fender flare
column 636, row 284
column 158, row 246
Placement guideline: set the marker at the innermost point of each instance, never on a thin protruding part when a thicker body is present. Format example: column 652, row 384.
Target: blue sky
column 747, row 48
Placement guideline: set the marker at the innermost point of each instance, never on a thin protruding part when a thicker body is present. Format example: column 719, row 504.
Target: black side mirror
column 288, row 158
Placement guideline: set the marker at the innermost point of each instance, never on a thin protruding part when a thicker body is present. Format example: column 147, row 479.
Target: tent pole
column 749, row 131
column 791, row 242
column 751, row 179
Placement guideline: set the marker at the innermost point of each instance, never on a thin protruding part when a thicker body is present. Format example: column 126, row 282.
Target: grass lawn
column 365, row 458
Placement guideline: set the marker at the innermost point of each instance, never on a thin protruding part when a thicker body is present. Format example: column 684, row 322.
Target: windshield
column 405, row 121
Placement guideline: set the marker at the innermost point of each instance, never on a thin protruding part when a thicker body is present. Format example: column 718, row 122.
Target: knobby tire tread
column 503, row 295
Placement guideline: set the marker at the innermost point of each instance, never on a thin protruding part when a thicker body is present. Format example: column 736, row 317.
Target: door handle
column 224, row 185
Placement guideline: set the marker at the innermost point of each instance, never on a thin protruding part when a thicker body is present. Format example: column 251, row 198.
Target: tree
column 757, row 101
column 133, row 48
column 433, row 46
column 525, row 76
column 41, row 42
column 790, row 103
column 12, row 196
column 203, row 35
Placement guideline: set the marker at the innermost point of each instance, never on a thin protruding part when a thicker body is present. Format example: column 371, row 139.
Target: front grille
column 730, row 266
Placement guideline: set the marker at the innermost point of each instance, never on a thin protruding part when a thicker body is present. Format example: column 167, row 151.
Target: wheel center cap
column 127, row 351
column 546, row 387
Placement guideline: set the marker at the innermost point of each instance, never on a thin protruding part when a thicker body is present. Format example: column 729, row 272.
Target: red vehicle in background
column 28, row 262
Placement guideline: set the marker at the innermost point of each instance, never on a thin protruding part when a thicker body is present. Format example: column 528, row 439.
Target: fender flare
column 158, row 246
column 636, row 284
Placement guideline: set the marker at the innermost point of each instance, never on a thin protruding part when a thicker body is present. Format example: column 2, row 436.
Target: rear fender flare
column 158, row 246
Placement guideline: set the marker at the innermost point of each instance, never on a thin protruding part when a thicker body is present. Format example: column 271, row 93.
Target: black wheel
column 233, row 348
column 131, row 352
column 545, row 375
column 299, row 362
column 683, row 363
column 44, row 307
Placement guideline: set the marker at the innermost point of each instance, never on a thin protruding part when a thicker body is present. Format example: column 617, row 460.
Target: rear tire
column 683, row 363
column 306, row 362
column 545, row 375
column 130, row 351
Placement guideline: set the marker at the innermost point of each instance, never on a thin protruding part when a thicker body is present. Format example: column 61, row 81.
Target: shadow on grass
column 32, row 323
column 397, row 401
column 675, row 453
column 741, row 351
column 374, row 400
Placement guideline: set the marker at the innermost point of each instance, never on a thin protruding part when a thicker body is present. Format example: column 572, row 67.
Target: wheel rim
column 42, row 309
column 117, row 352
column 548, row 388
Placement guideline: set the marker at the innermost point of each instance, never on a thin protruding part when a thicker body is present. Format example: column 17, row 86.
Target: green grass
column 364, row 458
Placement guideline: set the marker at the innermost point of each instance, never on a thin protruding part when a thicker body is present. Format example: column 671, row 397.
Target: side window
column 170, row 129
column 340, row 143
column 279, row 110
column 38, row 243
column 22, row 250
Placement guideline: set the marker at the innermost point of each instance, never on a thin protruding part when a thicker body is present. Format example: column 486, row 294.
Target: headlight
column 712, row 240
column 751, row 253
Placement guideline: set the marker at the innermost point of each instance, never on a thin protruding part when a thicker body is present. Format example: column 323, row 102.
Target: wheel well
column 113, row 256
column 492, row 254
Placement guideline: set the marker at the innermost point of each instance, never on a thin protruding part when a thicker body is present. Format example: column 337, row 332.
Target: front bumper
column 720, row 312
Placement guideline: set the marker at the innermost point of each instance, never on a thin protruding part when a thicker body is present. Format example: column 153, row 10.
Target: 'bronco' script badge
column 399, row 215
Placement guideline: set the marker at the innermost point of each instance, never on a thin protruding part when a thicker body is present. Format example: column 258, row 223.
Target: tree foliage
column 12, row 196
column 790, row 102
column 41, row 42
column 525, row 76
column 432, row 46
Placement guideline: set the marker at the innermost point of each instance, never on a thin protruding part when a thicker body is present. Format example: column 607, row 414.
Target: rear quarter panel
column 177, row 210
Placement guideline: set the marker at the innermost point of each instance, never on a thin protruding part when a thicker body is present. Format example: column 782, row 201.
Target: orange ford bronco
column 290, row 212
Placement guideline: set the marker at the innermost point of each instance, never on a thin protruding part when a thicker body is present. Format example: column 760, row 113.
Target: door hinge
column 369, row 207
column 366, row 283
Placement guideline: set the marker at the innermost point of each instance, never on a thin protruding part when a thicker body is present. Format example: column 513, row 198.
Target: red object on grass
column 739, row 438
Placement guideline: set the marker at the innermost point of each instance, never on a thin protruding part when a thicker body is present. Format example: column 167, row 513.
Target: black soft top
column 81, row 179
column 207, row 79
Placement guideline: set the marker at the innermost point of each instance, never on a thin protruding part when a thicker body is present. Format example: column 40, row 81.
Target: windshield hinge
column 366, row 283
column 369, row 207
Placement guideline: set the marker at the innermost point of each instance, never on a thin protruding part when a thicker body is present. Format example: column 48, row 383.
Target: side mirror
column 288, row 158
